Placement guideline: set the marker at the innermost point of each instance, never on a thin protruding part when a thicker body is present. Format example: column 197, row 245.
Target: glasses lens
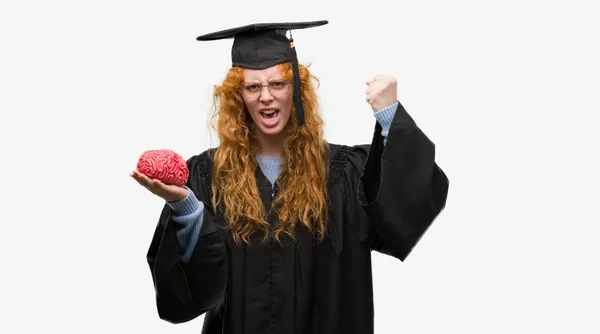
column 278, row 88
column 251, row 91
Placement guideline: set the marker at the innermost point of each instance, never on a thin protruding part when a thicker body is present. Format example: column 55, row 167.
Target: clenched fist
column 381, row 92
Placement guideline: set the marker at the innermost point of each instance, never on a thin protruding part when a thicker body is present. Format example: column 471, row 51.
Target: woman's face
column 270, row 105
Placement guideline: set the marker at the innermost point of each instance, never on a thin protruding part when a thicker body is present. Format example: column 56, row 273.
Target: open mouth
column 269, row 114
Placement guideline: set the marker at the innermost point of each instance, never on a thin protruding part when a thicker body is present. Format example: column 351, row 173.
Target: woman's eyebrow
column 256, row 81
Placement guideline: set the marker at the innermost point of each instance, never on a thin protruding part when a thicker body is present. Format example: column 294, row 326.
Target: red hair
column 303, row 177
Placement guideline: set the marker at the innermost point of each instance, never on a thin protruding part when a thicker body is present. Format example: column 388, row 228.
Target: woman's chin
column 271, row 132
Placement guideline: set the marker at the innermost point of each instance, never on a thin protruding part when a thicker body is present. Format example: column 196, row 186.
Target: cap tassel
column 297, row 86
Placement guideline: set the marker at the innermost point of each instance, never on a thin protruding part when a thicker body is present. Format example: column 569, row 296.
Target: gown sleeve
column 399, row 187
column 186, row 290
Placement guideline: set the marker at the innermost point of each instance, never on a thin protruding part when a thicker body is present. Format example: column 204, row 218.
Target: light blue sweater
column 188, row 213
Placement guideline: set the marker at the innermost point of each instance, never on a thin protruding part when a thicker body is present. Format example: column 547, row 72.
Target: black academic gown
column 382, row 198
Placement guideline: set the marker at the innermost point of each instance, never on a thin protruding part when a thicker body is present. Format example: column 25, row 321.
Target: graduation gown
column 382, row 198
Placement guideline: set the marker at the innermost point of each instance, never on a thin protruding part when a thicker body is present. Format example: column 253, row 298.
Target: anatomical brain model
column 164, row 165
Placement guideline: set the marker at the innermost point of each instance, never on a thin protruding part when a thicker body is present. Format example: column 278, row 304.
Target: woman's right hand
column 169, row 193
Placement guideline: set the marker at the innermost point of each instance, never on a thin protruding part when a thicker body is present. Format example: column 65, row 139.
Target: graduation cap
column 262, row 45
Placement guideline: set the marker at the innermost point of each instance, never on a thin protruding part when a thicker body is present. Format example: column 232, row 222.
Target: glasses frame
column 268, row 85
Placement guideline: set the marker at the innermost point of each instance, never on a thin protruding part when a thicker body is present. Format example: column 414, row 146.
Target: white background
column 508, row 91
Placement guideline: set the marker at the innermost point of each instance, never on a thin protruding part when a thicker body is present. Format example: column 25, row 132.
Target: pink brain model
column 164, row 165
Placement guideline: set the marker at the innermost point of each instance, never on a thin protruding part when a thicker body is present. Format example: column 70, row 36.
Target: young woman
column 273, row 231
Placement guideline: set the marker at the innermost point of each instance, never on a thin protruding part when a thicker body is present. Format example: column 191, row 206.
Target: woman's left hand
column 381, row 92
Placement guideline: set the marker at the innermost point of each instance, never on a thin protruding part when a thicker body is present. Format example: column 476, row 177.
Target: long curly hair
column 303, row 176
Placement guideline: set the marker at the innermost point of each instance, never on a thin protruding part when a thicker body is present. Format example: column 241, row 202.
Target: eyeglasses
column 277, row 88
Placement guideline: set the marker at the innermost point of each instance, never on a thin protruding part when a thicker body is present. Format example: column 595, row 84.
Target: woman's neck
column 271, row 146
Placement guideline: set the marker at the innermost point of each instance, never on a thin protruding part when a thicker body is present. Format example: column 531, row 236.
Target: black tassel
column 297, row 86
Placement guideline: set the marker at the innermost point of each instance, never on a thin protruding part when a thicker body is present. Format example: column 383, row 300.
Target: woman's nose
column 265, row 94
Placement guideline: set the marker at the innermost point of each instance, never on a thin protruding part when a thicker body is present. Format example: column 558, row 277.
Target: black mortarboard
column 262, row 45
